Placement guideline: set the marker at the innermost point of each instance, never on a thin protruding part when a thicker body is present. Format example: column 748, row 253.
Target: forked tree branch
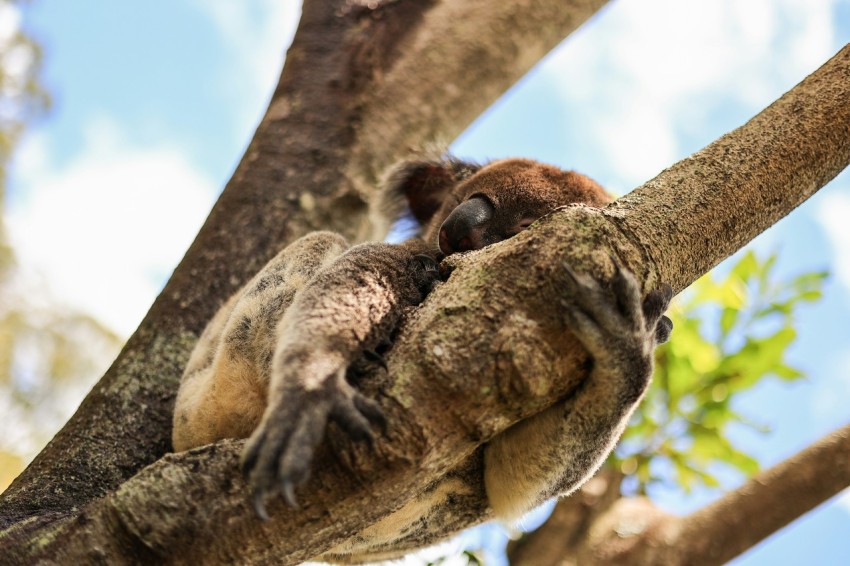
column 496, row 323
column 361, row 87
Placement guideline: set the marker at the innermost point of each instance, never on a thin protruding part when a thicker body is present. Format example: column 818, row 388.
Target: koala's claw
column 429, row 264
column 663, row 330
column 372, row 411
column 288, row 489
column 277, row 457
column 259, row 506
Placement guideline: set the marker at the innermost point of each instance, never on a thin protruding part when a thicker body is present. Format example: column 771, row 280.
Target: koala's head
column 463, row 206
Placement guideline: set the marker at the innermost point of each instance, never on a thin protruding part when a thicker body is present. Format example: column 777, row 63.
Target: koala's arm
column 224, row 387
column 554, row 452
column 348, row 309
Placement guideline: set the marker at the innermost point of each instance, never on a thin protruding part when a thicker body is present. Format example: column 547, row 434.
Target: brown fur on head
column 463, row 206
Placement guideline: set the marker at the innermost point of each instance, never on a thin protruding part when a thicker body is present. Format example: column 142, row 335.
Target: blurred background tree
column 49, row 353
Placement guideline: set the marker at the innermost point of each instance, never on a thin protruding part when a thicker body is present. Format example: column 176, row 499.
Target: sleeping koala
column 275, row 362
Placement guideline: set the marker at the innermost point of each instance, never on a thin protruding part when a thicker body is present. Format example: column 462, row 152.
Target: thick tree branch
column 767, row 502
column 591, row 528
column 495, row 322
column 687, row 220
column 349, row 67
column 445, row 74
column 633, row 531
column 706, row 207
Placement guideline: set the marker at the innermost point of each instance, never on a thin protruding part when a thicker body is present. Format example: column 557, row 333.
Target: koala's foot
column 277, row 457
column 618, row 329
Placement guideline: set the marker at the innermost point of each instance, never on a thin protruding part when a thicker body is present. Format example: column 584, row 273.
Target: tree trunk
column 345, row 108
column 361, row 88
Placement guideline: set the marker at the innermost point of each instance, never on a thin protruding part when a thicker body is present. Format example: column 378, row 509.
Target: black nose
column 464, row 228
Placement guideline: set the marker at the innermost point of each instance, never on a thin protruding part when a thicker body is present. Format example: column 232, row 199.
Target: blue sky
column 153, row 107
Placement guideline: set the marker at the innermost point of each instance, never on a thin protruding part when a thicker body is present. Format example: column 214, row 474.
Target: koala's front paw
column 618, row 329
column 278, row 455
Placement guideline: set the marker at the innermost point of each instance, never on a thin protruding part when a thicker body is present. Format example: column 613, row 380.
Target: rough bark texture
column 640, row 534
column 766, row 503
column 361, row 86
column 495, row 322
column 560, row 539
column 706, row 207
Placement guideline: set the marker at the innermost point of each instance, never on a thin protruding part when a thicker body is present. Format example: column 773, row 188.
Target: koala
column 276, row 363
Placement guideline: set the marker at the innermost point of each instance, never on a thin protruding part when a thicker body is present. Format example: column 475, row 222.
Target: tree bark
column 558, row 541
column 633, row 531
column 360, row 88
column 706, row 207
column 495, row 322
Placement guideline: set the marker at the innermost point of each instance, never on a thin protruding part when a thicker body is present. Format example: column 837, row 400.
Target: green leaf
column 787, row 373
column 809, row 281
column 727, row 320
column 746, row 267
column 678, row 431
column 811, row 296
column 743, row 462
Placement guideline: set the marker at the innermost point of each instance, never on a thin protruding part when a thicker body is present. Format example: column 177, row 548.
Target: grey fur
column 274, row 361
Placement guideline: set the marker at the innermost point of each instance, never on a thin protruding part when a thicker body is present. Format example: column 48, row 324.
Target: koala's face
column 504, row 198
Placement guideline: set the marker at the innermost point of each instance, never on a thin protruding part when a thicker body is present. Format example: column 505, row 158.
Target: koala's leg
column 224, row 388
column 348, row 308
column 193, row 418
column 554, row 452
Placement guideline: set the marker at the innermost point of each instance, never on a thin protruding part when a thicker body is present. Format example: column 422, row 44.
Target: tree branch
column 310, row 158
column 684, row 222
column 706, row 207
column 767, row 502
column 634, row 531
column 558, row 541
column 495, row 322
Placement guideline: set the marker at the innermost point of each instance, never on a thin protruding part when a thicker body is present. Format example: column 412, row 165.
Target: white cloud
column 674, row 48
column 258, row 32
column 643, row 66
column 832, row 213
column 844, row 500
column 10, row 22
column 105, row 230
column 643, row 143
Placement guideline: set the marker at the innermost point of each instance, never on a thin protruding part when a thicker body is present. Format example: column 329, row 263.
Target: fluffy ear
column 423, row 185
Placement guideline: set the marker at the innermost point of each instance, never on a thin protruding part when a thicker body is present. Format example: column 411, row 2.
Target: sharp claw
column 259, row 506
column 381, row 421
column 288, row 489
